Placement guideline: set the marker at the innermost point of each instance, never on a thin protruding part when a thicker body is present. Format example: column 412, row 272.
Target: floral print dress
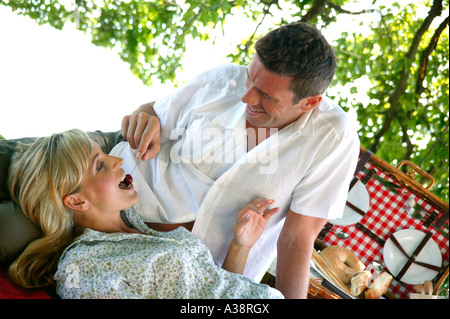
column 154, row 264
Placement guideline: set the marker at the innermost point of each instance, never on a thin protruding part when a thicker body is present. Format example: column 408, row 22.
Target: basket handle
column 416, row 169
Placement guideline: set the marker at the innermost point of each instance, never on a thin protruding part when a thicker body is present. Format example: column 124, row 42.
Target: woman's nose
column 117, row 162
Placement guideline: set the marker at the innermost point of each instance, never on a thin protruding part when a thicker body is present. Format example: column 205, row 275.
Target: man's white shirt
column 203, row 171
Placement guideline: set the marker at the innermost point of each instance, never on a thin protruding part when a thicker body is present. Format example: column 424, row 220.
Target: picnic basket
column 397, row 201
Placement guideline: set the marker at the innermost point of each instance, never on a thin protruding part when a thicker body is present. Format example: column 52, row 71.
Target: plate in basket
column 359, row 197
column 409, row 239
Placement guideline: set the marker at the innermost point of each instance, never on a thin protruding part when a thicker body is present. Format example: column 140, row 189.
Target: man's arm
column 295, row 246
column 142, row 130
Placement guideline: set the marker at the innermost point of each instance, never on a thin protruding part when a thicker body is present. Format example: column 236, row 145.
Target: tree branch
column 341, row 10
column 426, row 53
column 407, row 140
column 394, row 98
column 437, row 142
column 265, row 13
column 317, row 7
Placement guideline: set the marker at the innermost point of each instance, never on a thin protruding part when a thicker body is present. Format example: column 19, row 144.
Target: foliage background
column 393, row 57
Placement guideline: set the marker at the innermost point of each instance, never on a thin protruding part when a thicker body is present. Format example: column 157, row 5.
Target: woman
column 95, row 245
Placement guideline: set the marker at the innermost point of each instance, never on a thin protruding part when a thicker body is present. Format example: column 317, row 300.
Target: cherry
column 128, row 179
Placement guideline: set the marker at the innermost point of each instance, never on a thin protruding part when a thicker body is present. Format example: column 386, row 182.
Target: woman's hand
column 251, row 221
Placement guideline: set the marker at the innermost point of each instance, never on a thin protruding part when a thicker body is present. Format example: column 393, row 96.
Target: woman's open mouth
column 126, row 182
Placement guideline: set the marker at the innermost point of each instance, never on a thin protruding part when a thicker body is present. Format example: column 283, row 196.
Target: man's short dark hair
column 301, row 52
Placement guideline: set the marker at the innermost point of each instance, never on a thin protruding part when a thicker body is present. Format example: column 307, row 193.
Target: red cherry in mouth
column 128, row 179
column 127, row 182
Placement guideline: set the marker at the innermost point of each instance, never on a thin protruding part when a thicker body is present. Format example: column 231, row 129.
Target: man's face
column 268, row 98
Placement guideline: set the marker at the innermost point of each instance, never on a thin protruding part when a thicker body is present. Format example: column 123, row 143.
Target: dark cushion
column 7, row 149
column 16, row 230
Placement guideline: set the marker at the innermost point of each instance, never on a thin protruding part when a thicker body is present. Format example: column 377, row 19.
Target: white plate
column 359, row 197
column 409, row 239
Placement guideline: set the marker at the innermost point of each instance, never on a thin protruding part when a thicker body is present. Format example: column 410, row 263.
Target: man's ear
column 309, row 103
column 76, row 202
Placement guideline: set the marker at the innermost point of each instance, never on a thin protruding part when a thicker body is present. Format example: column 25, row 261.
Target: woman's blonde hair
column 40, row 176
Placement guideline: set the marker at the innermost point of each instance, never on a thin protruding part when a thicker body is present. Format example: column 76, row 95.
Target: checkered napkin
column 386, row 215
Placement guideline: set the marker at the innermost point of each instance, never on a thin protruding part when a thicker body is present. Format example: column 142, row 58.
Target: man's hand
column 251, row 221
column 142, row 131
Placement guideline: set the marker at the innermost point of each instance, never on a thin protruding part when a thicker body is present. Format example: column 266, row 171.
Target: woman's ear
column 76, row 202
column 309, row 103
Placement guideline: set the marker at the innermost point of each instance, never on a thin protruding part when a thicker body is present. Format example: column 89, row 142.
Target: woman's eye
column 100, row 165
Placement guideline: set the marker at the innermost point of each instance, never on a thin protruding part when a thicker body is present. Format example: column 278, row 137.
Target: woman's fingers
column 270, row 212
column 258, row 206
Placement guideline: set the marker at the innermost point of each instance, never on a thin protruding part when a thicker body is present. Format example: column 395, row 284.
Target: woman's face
column 100, row 192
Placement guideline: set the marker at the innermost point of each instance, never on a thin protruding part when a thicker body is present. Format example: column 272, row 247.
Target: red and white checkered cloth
column 386, row 215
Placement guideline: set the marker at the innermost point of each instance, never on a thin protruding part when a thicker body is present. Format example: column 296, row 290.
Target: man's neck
column 256, row 135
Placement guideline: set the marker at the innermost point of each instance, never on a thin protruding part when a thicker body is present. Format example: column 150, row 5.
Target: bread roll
column 343, row 262
column 360, row 282
column 379, row 286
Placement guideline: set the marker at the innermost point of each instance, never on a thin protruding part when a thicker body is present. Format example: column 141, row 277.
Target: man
column 234, row 134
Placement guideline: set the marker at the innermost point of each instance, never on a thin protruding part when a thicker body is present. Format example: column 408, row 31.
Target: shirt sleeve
column 209, row 88
column 173, row 110
column 323, row 191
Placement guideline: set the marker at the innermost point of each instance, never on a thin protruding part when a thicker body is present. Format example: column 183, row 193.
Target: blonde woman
column 95, row 245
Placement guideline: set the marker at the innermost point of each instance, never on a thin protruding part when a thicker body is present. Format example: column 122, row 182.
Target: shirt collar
column 304, row 125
